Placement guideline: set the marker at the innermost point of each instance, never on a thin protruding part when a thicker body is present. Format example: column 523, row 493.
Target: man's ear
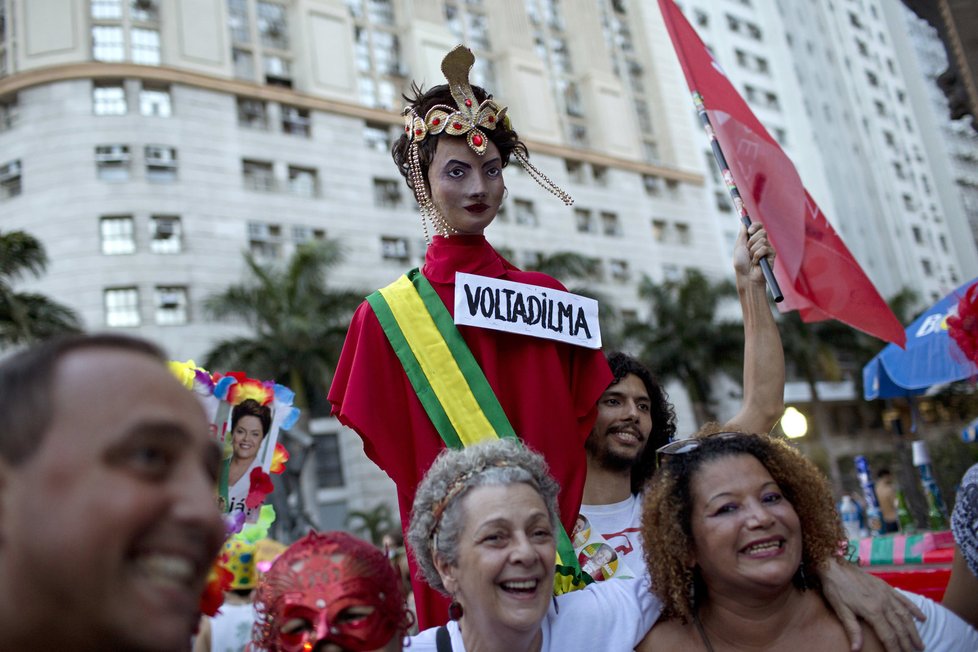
column 446, row 571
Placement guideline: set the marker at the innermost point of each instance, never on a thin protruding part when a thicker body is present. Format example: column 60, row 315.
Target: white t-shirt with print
column 619, row 525
column 605, row 616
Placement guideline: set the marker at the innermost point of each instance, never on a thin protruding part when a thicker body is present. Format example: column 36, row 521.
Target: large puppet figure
column 409, row 380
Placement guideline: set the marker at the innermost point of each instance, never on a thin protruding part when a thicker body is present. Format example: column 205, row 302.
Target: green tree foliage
column 298, row 322
column 372, row 524
column 684, row 338
column 27, row 316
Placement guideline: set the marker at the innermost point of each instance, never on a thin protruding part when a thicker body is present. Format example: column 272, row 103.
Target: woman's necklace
column 702, row 631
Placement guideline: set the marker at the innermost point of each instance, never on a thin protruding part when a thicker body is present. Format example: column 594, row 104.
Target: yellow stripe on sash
column 437, row 363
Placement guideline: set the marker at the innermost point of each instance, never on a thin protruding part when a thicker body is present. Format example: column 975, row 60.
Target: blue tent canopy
column 931, row 357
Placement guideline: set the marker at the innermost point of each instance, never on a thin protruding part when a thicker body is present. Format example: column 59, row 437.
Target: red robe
column 549, row 391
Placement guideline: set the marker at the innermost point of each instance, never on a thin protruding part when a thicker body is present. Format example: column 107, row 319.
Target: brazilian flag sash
column 450, row 384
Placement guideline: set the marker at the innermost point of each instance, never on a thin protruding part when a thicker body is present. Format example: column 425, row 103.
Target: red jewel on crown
column 477, row 140
column 417, row 132
column 492, row 118
column 436, row 121
column 468, row 102
column 456, row 125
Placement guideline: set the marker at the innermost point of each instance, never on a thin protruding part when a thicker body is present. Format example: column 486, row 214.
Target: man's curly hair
column 668, row 502
column 661, row 410
column 505, row 138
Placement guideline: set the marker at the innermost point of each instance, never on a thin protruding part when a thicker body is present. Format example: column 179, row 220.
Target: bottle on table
column 936, row 509
column 850, row 517
column 904, row 517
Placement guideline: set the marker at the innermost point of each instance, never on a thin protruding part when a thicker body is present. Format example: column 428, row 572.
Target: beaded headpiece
column 468, row 118
column 457, row 487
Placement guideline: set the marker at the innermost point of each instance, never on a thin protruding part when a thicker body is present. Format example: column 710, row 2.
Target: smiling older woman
column 739, row 523
column 482, row 531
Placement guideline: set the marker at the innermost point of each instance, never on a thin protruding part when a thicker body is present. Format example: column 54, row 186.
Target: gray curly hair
column 452, row 475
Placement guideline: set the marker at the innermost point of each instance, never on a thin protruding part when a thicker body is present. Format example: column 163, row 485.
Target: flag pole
column 772, row 283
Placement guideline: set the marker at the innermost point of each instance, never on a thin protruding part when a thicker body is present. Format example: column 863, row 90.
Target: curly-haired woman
column 739, row 524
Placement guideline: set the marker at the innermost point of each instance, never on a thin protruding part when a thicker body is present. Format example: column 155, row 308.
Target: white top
column 943, row 631
column 619, row 525
column 231, row 627
column 606, row 616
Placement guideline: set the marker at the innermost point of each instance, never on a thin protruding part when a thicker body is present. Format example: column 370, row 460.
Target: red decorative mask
column 332, row 588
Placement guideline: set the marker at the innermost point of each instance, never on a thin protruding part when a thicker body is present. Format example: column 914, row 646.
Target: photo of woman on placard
column 250, row 425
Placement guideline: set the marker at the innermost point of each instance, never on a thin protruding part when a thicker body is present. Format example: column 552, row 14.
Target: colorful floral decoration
column 233, row 388
column 279, row 458
column 963, row 327
column 261, row 486
column 218, row 581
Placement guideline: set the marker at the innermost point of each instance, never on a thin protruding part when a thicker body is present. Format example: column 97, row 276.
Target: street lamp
column 793, row 423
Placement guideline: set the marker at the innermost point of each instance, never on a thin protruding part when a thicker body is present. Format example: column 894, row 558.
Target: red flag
column 818, row 276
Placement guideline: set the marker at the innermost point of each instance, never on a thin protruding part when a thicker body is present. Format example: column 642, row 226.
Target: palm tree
column 298, row 323
column 684, row 340
column 27, row 316
column 373, row 524
column 830, row 351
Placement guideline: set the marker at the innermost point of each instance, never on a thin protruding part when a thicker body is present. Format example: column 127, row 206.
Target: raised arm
column 763, row 354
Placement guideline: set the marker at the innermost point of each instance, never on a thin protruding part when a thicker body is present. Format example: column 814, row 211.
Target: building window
column 108, row 43
column 109, row 98
column 387, row 193
column 618, row 270
column 145, row 46
column 927, row 267
column 394, row 248
column 112, row 162
column 155, row 100
column 271, row 44
column 144, row 11
column 376, row 136
column 526, row 214
column 171, row 305
column 584, row 220
column 107, row 9
column 303, row 181
column 8, row 111
column 652, row 184
column 273, row 28
column 295, row 121
column 329, row 464
column 377, row 52
column 302, row 234
column 724, row 205
column 258, row 175
column 265, row 240
column 121, row 307
column 161, row 163
column 118, row 236
column 600, row 174
column 252, row 113
column 575, row 170
column 659, row 230
column 165, row 234
column 10, row 179
column 683, row 233
column 610, row 224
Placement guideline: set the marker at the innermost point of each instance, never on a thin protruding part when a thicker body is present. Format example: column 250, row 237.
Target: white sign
column 526, row 310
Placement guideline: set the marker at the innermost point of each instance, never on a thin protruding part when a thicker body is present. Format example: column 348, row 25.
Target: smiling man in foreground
column 108, row 523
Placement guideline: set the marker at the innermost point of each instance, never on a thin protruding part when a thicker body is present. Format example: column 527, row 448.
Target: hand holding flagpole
column 772, row 283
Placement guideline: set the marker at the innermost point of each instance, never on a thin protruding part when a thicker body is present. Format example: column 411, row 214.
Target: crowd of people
column 533, row 450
